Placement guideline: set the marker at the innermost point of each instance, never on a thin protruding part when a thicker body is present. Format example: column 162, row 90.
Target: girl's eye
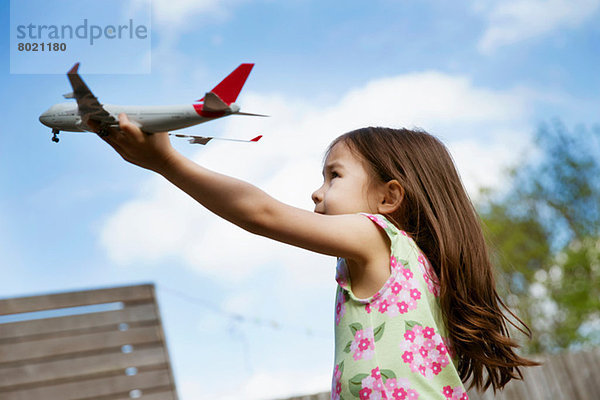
column 334, row 175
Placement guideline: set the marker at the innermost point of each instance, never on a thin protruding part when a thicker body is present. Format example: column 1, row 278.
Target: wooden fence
column 67, row 347
column 567, row 376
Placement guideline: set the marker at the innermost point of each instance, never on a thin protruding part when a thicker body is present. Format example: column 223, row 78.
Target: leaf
column 355, row 327
column 403, row 262
column 387, row 374
column 347, row 348
column 378, row 332
column 355, row 384
column 341, row 367
column 410, row 324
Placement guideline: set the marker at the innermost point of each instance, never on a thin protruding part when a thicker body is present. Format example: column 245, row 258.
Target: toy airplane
column 217, row 103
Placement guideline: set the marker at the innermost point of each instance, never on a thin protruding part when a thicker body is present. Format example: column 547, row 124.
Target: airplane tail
column 230, row 87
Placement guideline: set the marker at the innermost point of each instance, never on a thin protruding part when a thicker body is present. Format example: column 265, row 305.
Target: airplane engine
column 79, row 123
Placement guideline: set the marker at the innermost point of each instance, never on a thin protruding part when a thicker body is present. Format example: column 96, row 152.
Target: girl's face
column 348, row 187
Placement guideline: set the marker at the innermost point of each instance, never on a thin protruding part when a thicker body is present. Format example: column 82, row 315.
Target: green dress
column 392, row 345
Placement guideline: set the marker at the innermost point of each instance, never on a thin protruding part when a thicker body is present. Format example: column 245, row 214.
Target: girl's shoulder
column 405, row 255
column 395, row 234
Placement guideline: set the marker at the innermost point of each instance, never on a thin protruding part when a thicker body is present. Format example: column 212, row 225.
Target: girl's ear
column 393, row 194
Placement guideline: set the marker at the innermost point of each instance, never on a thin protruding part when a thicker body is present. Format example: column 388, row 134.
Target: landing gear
column 55, row 133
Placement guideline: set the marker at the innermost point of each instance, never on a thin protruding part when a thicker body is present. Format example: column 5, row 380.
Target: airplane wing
column 88, row 105
column 205, row 139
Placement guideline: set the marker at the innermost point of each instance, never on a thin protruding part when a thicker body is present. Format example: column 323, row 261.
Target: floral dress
column 392, row 345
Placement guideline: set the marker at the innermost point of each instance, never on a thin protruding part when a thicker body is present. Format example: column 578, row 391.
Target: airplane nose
column 44, row 118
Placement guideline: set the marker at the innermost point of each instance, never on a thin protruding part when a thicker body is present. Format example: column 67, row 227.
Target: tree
column 544, row 233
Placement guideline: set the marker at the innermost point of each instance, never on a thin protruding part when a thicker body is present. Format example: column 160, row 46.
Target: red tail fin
column 230, row 87
column 256, row 139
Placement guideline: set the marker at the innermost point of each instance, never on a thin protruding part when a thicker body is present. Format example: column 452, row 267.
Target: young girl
column 417, row 312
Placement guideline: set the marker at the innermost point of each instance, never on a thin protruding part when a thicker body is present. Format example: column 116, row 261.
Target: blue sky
column 480, row 75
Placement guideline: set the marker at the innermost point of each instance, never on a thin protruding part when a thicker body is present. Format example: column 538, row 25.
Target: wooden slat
column 579, row 375
column 592, row 362
column 174, row 392
column 73, row 344
column 72, row 368
column 93, row 388
column 164, row 395
column 541, row 380
column 560, row 388
column 75, row 299
column 133, row 314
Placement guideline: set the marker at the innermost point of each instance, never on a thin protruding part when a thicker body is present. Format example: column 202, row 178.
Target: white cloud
column 178, row 14
column 483, row 128
column 262, row 385
column 515, row 20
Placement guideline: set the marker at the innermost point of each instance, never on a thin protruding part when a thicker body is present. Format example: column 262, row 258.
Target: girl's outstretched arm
column 350, row 236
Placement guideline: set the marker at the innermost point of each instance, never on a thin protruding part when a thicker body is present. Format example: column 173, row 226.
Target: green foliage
column 544, row 235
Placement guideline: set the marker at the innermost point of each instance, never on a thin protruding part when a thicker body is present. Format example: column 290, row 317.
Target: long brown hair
column 438, row 214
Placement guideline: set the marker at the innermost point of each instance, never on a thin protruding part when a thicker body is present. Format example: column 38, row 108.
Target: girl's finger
column 128, row 127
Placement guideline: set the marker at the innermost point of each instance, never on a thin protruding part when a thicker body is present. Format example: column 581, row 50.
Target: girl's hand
column 152, row 151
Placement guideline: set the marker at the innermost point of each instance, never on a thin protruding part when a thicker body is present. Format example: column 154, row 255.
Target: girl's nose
column 317, row 196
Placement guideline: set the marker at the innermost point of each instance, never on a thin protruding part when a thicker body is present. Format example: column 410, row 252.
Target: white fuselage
column 65, row 116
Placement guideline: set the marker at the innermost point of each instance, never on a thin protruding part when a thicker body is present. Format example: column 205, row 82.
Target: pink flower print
column 429, row 344
column 442, row 349
column 447, row 391
column 365, row 393
column 400, row 296
column 457, row 393
column 433, row 284
column 399, row 394
column 368, row 382
column 383, row 306
column 442, row 360
column 379, row 221
column 428, row 332
column 363, row 345
column 399, row 389
column 368, row 308
column 336, row 384
column 421, row 350
column 427, row 362
column 376, row 373
column 378, row 386
column 403, row 307
column 412, row 304
column 393, row 262
column 391, row 384
column 448, row 348
column 415, row 294
column 340, row 308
